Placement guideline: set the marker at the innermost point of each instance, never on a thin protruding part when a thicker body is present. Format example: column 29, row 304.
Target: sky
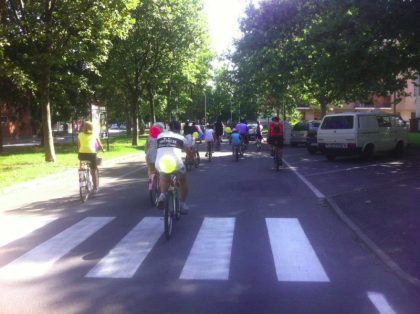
column 223, row 21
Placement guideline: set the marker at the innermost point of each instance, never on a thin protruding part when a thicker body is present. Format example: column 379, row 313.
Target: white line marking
column 294, row 257
column 343, row 170
column 38, row 261
column 209, row 258
column 124, row 260
column 308, row 184
column 16, row 227
column 380, row 303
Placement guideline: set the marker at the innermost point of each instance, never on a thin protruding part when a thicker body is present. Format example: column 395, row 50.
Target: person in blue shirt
column 236, row 137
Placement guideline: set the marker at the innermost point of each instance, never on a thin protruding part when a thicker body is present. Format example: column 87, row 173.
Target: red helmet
column 154, row 132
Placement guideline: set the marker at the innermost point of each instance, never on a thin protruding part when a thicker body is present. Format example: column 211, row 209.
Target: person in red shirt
column 275, row 135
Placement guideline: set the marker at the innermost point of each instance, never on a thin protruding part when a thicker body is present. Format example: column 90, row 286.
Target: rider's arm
column 98, row 141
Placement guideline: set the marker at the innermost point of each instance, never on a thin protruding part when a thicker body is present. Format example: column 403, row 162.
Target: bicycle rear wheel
column 154, row 191
column 277, row 159
column 168, row 214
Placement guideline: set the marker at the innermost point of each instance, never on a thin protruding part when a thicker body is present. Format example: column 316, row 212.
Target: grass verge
column 26, row 163
column 414, row 139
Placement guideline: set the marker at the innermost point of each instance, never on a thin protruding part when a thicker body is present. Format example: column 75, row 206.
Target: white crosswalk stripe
column 124, row 260
column 209, row 258
column 294, row 257
column 38, row 261
column 380, row 302
column 15, row 227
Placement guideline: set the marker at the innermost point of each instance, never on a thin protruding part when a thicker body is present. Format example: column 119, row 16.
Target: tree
column 42, row 35
column 328, row 51
column 165, row 52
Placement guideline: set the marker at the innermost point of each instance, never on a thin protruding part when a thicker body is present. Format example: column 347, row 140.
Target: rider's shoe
column 160, row 203
column 184, row 208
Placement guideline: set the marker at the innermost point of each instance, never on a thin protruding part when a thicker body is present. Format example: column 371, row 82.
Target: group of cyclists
column 164, row 149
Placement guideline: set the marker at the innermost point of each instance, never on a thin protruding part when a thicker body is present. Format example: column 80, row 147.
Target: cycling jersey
column 242, row 128
column 169, row 149
column 209, row 135
column 276, row 129
column 87, row 143
column 151, row 150
column 236, row 138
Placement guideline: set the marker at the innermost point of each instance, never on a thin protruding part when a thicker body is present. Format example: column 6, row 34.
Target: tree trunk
column 44, row 90
column 323, row 109
column 135, row 124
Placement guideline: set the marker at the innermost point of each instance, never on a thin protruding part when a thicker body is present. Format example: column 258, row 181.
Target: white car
column 361, row 133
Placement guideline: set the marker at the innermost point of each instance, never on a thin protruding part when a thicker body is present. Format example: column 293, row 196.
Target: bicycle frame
column 209, row 149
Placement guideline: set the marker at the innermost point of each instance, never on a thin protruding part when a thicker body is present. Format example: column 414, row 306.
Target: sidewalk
column 389, row 216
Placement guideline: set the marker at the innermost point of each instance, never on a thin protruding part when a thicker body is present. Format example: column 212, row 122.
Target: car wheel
column 399, row 149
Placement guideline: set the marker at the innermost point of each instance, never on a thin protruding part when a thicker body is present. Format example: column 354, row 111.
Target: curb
column 41, row 180
column 393, row 266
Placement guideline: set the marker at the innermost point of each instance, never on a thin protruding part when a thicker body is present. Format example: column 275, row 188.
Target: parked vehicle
column 364, row 134
column 301, row 130
column 312, row 137
column 252, row 131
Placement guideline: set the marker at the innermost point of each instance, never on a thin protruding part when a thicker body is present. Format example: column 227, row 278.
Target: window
column 384, row 121
column 397, row 121
column 368, row 122
column 337, row 122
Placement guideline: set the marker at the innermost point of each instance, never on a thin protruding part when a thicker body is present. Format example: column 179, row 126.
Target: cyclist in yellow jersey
column 87, row 145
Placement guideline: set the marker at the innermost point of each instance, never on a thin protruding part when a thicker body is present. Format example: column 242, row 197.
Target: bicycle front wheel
column 84, row 186
column 168, row 214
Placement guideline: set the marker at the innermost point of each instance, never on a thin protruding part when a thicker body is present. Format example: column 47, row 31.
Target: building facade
column 408, row 107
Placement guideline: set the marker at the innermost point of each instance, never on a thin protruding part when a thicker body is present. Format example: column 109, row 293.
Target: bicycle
column 85, row 180
column 276, row 156
column 218, row 142
column 258, row 144
column 236, row 152
column 154, row 188
column 197, row 157
column 209, row 150
column 172, row 210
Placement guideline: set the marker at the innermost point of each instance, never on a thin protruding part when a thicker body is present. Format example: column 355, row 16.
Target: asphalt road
column 255, row 241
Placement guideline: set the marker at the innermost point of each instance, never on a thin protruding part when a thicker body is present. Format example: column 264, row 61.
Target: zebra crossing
column 294, row 258
column 209, row 257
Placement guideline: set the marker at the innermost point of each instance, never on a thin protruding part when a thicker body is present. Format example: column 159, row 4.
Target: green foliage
column 161, row 66
column 326, row 52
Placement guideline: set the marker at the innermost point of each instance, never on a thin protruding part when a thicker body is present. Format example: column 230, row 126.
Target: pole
column 205, row 108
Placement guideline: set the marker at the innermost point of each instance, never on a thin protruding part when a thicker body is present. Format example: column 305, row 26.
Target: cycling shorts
column 91, row 157
column 276, row 141
column 181, row 174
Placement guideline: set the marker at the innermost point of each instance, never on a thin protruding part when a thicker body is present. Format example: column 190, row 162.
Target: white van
column 361, row 133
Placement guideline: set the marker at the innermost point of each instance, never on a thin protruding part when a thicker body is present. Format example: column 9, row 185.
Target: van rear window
column 337, row 122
